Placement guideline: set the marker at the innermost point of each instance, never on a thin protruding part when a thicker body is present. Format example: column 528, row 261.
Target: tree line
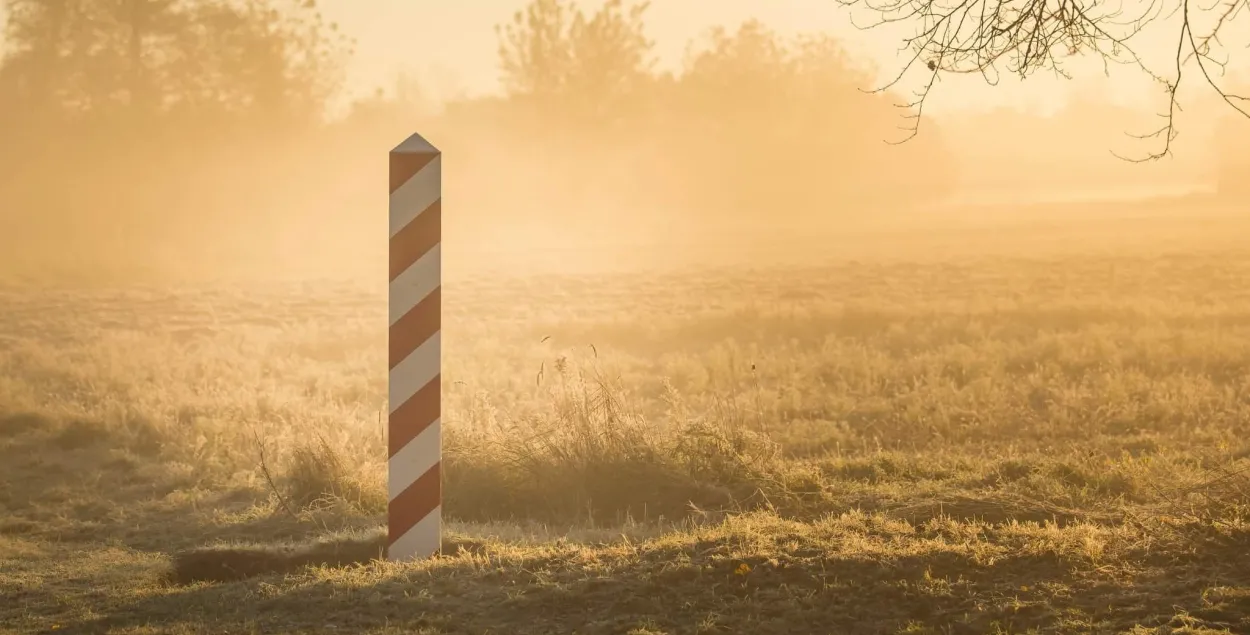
column 196, row 133
column 163, row 133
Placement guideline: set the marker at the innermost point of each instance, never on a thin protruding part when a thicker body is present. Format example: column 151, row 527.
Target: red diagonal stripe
column 406, row 164
column 413, row 504
column 414, row 416
column 416, row 238
column 415, row 327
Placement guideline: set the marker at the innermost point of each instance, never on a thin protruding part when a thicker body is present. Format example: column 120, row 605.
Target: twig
column 979, row 36
column 264, row 470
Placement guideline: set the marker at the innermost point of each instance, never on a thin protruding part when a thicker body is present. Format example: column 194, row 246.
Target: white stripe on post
column 414, row 514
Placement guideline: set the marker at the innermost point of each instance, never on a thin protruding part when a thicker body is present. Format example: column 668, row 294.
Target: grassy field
column 1006, row 441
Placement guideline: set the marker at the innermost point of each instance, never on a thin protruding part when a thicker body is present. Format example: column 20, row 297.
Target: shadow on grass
column 230, row 562
column 737, row 577
column 553, row 592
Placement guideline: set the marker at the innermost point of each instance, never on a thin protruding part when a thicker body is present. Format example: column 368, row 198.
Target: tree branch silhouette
column 1026, row 36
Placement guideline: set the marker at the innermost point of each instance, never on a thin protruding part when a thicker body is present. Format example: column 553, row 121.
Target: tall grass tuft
column 590, row 456
column 318, row 475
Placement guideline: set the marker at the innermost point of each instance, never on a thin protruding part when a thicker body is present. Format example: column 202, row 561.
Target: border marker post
column 414, row 297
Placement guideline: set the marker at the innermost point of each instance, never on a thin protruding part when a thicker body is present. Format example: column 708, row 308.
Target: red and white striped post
column 414, row 513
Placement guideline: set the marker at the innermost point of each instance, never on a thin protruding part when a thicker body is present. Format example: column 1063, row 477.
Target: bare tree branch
column 1026, row 36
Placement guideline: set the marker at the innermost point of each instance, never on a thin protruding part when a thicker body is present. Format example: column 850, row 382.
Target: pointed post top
column 415, row 144
column 413, row 156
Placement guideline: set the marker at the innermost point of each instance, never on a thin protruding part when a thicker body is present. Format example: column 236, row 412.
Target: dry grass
column 1026, row 443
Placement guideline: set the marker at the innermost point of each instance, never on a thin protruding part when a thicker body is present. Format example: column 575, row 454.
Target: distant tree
column 730, row 61
column 1022, row 37
column 556, row 54
column 755, row 130
column 85, row 55
column 128, row 122
column 783, row 121
column 96, row 56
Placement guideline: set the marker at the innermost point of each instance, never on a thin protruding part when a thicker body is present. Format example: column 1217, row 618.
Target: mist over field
column 196, row 139
column 718, row 354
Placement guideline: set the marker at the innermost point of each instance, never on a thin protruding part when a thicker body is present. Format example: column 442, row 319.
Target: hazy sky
column 451, row 44
column 450, row 47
